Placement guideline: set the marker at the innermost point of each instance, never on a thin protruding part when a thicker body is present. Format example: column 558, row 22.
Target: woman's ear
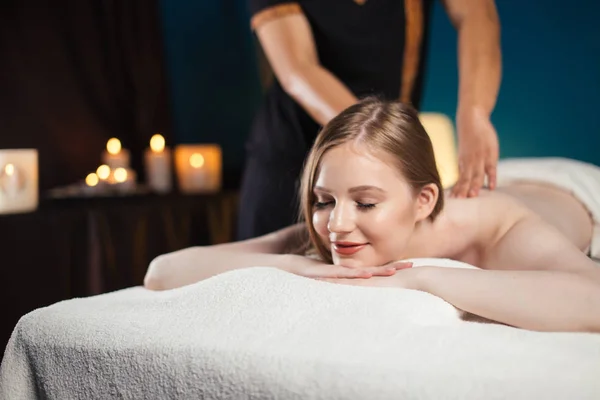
column 426, row 201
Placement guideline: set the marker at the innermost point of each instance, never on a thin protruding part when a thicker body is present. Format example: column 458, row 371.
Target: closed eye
column 322, row 204
column 364, row 206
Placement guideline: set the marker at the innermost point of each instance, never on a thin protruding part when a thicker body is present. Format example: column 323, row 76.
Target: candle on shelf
column 198, row 168
column 18, row 180
column 124, row 179
column 91, row 183
column 158, row 165
column 91, row 180
column 103, row 173
column 115, row 156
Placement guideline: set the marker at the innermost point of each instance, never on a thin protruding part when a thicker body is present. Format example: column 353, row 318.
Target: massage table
column 264, row 333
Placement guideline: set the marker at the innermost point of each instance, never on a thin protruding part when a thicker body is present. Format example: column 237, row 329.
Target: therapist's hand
column 477, row 152
column 316, row 269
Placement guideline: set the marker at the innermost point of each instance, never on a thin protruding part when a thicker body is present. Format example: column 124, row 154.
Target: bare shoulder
column 480, row 222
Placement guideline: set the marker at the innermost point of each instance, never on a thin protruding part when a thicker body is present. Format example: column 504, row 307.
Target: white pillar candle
column 18, row 180
column 114, row 155
column 103, row 173
column 198, row 168
column 158, row 165
column 92, row 183
column 124, row 180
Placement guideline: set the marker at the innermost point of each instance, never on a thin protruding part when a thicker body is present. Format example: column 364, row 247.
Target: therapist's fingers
column 477, row 180
column 490, row 171
column 465, row 173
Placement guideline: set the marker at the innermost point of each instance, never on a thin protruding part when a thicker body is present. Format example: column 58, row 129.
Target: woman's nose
column 340, row 220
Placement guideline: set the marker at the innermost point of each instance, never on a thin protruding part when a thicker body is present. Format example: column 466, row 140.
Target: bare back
column 521, row 226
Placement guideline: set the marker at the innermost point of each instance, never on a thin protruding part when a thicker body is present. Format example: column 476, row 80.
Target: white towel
column 580, row 179
column 264, row 333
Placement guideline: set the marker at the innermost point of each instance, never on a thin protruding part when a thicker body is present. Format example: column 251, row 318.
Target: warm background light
column 441, row 132
column 103, row 172
column 198, row 167
column 19, row 183
column 113, row 146
column 157, row 143
column 196, row 160
column 91, row 180
column 120, row 175
column 9, row 169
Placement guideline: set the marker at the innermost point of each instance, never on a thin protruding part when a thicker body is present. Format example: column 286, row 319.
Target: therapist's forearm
column 319, row 92
column 479, row 58
column 535, row 300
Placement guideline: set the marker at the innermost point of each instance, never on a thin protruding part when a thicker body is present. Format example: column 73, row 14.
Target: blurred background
column 75, row 73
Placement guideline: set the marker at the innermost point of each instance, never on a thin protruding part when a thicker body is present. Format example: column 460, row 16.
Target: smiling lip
column 347, row 248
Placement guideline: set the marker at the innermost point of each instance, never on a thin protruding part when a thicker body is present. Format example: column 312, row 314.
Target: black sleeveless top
column 375, row 47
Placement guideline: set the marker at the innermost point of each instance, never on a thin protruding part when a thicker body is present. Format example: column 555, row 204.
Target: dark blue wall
column 212, row 73
column 549, row 101
column 548, row 104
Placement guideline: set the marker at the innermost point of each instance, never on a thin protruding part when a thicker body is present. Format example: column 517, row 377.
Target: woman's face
column 365, row 211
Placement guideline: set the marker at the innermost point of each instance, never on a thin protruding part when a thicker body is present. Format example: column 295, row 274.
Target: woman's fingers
column 325, row 272
column 367, row 272
column 401, row 264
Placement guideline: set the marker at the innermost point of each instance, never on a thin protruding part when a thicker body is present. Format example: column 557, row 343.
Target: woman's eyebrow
column 321, row 189
column 365, row 188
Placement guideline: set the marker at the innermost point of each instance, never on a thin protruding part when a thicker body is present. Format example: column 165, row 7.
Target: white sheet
column 264, row 333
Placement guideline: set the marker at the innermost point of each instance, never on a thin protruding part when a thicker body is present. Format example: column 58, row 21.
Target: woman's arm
column 535, row 300
column 194, row 264
column 533, row 278
column 290, row 48
column 284, row 241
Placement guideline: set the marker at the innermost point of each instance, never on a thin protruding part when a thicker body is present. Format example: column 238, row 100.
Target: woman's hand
column 316, row 269
column 405, row 278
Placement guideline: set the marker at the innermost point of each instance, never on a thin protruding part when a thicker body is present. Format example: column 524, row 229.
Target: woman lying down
column 371, row 195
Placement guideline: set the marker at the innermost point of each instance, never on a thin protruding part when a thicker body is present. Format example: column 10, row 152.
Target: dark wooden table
column 80, row 247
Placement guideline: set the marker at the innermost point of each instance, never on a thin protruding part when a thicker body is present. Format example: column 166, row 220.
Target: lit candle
column 198, row 168
column 91, row 184
column 124, row 179
column 199, row 177
column 103, row 173
column 91, row 180
column 115, row 156
column 158, row 165
column 18, row 180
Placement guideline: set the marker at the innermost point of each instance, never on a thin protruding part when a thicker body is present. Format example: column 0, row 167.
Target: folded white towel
column 264, row 333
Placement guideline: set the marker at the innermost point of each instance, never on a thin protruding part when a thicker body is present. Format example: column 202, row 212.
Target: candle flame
column 91, row 180
column 196, row 160
column 157, row 143
column 120, row 175
column 113, row 146
column 9, row 169
column 103, row 172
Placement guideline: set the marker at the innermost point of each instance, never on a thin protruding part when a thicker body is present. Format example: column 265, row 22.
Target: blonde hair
column 389, row 126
